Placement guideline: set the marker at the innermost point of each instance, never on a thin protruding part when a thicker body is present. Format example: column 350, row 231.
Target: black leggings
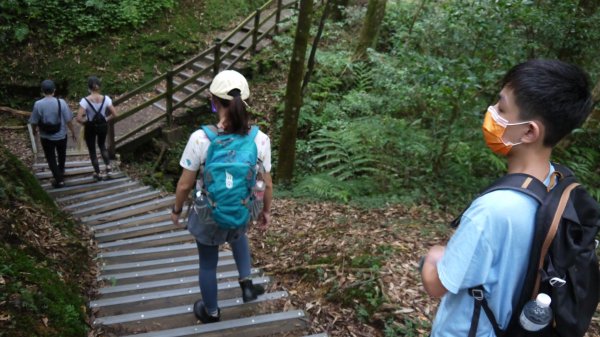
column 91, row 135
column 53, row 149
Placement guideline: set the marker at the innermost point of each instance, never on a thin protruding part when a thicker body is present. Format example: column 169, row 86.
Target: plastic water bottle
column 537, row 313
column 199, row 189
column 259, row 190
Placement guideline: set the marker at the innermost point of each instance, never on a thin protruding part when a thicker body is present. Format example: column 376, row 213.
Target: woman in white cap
column 209, row 220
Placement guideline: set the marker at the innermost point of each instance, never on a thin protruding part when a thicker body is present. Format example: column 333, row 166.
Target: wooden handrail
column 140, row 107
column 137, row 90
column 190, row 96
column 193, row 59
column 191, row 79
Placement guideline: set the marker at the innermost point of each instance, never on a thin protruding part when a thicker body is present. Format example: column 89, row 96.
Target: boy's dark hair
column 556, row 92
column 94, row 83
column 237, row 116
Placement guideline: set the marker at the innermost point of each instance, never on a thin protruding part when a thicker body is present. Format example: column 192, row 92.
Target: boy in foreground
column 541, row 102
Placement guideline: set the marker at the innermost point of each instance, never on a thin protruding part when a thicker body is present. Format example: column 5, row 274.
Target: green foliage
column 407, row 122
column 411, row 327
column 62, row 21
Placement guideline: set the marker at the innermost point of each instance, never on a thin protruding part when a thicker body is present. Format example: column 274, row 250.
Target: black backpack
column 562, row 262
column 51, row 128
column 99, row 122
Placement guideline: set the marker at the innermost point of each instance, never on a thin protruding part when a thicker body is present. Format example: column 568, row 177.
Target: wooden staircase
column 185, row 85
column 149, row 268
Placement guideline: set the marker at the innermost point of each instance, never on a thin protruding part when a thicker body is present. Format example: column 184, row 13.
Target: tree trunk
column 370, row 28
column 313, row 51
column 293, row 96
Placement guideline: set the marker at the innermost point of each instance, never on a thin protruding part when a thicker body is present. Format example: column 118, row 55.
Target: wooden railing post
column 278, row 16
column 111, row 139
column 255, row 31
column 217, row 63
column 169, row 97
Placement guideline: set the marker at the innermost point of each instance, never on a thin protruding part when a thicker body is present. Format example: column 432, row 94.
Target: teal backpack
column 229, row 176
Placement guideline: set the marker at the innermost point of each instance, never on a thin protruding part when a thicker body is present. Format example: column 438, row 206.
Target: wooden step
column 177, row 236
column 166, row 284
column 165, row 298
column 100, row 199
column 129, row 211
column 132, row 232
column 180, row 316
column 144, row 219
column 89, row 185
column 95, row 194
column 142, row 194
column 41, row 166
column 157, row 274
column 74, row 181
column 122, row 267
column 47, row 174
column 153, row 253
column 254, row 326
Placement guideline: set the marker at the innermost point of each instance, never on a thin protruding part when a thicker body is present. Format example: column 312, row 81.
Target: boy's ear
column 535, row 132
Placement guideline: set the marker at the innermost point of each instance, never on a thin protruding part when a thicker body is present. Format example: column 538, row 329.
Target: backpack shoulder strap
column 519, row 182
column 253, row 131
column 59, row 110
column 211, row 131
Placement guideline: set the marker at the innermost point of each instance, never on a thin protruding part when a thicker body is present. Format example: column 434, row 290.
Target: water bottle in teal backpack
column 229, row 176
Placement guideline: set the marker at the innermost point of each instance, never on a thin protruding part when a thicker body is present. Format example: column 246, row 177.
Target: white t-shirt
column 195, row 151
column 90, row 113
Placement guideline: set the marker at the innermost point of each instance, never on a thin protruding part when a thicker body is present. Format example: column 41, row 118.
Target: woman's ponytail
column 237, row 116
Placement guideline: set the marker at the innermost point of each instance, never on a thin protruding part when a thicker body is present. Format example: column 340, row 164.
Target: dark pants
column 91, row 135
column 52, row 149
column 209, row 258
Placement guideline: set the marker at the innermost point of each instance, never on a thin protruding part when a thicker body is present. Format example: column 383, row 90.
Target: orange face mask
column 494, row 127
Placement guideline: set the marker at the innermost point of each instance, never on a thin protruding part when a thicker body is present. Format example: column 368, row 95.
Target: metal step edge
column 117, row 204
column 225, row 254
column 142, row 251
column 132, row 221
column 150, row 263
column 315, row 335
column 105, row 198
column 90, row 186
column 157, row 284
column 74, row 163
column 196, row 330
column 183, row 309
column 126, row 211
column 148, row 238
column 68, row 173
column 78, row 182
column 97, row 193
column 125, row 233
column 157, row 295
column 140, row 276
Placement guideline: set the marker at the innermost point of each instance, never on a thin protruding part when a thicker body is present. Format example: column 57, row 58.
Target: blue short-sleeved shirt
column 491, row 248
column 48, row 108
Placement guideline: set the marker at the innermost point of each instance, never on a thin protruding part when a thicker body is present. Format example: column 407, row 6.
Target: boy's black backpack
column 51, row 128
column 562, row 262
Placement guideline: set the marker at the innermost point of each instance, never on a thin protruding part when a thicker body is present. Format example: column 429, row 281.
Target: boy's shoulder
column 500, row 206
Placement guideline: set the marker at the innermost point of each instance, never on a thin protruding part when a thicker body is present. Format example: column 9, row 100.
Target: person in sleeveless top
column 95, row 111
column 228, row 91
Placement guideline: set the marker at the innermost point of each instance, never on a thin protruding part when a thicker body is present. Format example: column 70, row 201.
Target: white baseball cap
column 228, row 80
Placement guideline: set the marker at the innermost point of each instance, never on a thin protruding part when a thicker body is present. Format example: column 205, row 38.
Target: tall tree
column 313, row 51
column 337, row 9
column 293, row 96
column 370, row 28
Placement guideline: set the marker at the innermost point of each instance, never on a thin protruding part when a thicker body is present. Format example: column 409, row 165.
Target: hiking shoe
column 202, row 314
column 97, row 177
column 58, row 184
column 250, row 291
